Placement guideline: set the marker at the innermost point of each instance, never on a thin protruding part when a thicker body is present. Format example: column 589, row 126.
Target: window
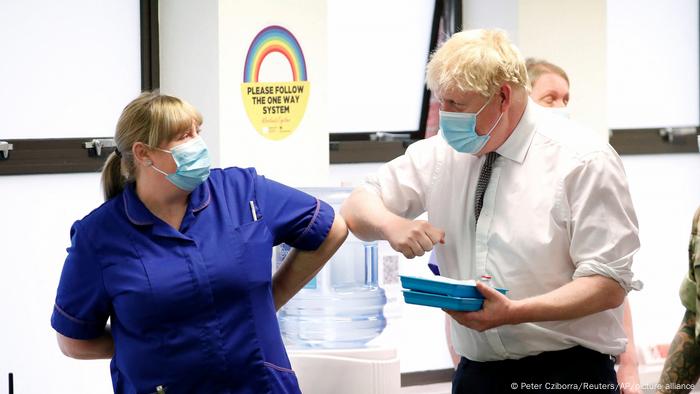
column 653, row 84
column 379, row 105
column 75, row 65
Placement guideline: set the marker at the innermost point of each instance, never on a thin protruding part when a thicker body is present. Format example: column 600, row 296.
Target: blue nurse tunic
column 191, row 310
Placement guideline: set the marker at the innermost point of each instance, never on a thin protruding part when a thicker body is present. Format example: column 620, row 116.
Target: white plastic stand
column 347, row 371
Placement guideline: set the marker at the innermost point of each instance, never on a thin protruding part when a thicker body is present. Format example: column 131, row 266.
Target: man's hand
column 497, row 311
column 412, row 237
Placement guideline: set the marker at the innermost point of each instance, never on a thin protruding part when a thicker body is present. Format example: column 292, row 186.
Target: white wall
column 37, row 212
column 665, row 193
column 502, row 14
column 571, row 34
column 192, row 46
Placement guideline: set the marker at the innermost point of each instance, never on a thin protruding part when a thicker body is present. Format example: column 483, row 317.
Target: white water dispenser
column 327, row 326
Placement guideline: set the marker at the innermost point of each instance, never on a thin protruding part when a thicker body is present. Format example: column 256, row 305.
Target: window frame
column 655, row 141
column 365, row 147
column 70, row 155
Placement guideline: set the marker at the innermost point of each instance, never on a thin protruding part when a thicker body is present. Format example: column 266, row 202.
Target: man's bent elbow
column 339, row 230
column 617, row 295
column 348, row 208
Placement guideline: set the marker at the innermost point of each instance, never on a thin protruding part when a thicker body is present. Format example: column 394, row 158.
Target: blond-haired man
column 525, row 196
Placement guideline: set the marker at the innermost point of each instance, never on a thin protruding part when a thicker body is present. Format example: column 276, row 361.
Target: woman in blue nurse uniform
column 178, row 259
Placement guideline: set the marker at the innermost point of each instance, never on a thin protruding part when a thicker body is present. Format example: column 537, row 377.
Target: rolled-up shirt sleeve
column 82, row 305
column 403, row 183
column 294, row 217
column 603, row 225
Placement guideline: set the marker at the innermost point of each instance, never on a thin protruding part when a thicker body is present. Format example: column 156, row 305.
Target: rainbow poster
column 275, row 107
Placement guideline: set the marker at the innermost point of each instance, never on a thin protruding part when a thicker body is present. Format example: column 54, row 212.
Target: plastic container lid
column 444, row 286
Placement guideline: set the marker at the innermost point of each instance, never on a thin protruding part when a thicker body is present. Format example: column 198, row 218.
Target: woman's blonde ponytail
column 112, row 179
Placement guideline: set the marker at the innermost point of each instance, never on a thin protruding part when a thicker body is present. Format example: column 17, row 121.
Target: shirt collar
column 139, row 215
column 200, row 198
column 517, row 145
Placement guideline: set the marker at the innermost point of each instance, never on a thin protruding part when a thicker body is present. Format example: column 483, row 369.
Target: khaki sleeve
column 689, row 287
column 689, row 294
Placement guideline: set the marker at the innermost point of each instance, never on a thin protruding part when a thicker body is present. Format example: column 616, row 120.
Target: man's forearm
column 366, row 214
column 581, row 297
column 682, row 365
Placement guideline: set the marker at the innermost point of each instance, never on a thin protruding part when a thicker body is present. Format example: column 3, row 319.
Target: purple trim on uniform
column 311, row 223
column 206, row 203
column 71, row 318
column 126, row 209
column 273, row 366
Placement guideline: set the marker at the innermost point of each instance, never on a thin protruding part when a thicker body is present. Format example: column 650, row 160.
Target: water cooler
column 327, row 326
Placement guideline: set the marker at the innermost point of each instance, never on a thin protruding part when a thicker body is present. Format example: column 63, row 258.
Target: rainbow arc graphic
column 274, row 39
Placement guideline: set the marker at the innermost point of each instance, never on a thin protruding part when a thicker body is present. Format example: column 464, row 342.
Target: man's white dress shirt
column 557, row 207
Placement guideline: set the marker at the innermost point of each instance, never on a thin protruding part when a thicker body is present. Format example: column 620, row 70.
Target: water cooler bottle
column 328, row 324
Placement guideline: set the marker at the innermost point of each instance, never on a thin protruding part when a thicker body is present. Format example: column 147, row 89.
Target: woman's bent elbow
column 67, row 349
column 91, row 349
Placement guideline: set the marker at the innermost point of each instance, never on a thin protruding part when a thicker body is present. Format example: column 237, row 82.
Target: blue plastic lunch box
column 442, row 301
column 435, row 287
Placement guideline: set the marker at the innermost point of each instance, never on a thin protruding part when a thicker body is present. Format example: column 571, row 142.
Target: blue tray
column 436, row 287
column 440, row 301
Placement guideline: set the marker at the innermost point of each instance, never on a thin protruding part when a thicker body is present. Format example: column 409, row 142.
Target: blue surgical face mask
column 193, row 163
column 459, row 130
